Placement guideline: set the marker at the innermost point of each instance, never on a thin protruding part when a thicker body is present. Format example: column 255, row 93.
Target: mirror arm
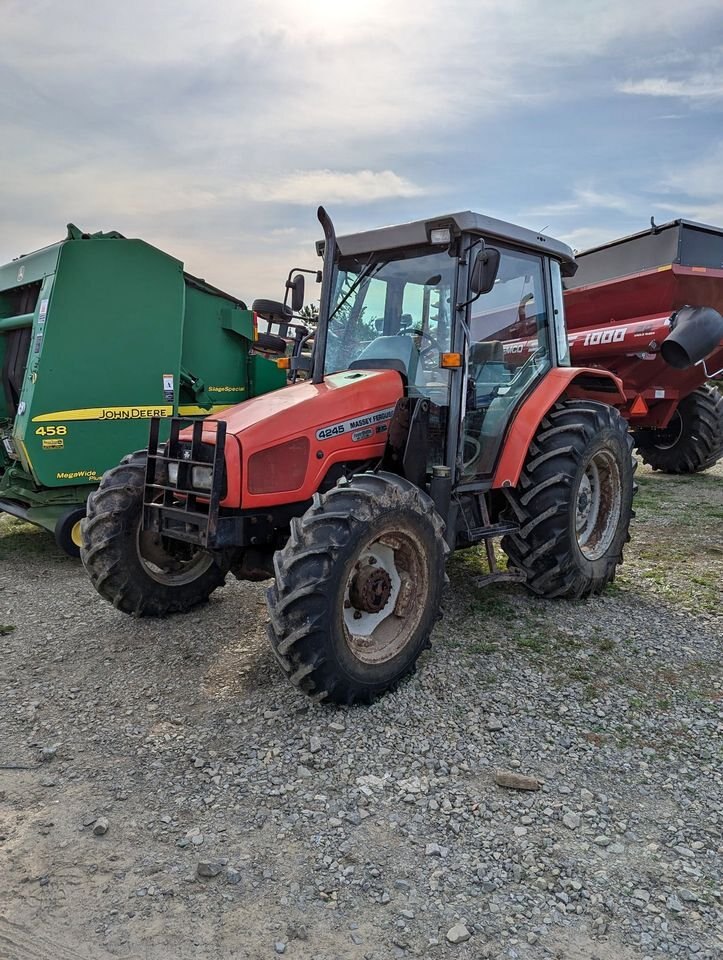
column 470, row 248
column 461, row 306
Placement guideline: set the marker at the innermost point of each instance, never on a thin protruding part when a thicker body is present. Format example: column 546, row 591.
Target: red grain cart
column 648, row 308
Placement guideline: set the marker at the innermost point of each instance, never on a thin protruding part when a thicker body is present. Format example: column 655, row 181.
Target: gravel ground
column 173, row 797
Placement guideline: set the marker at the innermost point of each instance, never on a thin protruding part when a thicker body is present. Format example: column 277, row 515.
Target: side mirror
column 484, row 271
column 297, row 292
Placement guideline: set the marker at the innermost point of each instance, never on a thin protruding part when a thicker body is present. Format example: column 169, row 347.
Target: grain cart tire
column 692, row 441
column 131, row 568
column 358, row 588
column 573, row 501
column 67, row 531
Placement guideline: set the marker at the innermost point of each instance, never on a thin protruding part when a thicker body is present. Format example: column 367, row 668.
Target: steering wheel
column 424, row 352
column 417, row 332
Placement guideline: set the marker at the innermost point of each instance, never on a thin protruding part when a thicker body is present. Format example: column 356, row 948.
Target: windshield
column 397, row 310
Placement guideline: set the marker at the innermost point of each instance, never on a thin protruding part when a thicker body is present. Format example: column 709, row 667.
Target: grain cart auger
column 648, row 308
column 99, row 333
column 415, row 434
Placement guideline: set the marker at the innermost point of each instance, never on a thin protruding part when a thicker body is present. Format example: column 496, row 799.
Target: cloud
column 698, row 86
column 584, row 198
column 686, row 74
column 583, row 238
column 334, row 186
column 213, row 130
column 701, row 177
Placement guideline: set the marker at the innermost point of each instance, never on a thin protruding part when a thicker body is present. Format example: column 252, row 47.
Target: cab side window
column 509, row 350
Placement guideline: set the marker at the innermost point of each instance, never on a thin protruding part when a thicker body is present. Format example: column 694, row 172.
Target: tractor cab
column 446, row 303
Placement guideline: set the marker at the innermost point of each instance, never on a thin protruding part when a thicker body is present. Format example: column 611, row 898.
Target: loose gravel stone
column 101, row 826
column 516, row 781
column 458, row 933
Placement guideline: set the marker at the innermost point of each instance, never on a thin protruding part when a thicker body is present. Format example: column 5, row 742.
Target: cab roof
column 417, row 233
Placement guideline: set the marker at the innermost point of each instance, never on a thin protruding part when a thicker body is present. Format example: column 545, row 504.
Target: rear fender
column 576, row 383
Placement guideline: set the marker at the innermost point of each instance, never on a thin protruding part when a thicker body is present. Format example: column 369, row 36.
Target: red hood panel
column 345, row 419
column 300, row 407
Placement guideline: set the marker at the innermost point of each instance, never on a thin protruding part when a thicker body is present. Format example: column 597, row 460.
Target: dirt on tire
column 111, row 551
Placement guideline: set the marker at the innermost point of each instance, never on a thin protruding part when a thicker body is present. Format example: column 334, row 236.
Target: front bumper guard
column 181, row 511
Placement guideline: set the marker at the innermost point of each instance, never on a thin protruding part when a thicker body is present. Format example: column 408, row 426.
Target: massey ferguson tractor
column 415, row 433
column 648, row 307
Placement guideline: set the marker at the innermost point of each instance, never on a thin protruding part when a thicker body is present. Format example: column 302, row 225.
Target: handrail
column 16, row 323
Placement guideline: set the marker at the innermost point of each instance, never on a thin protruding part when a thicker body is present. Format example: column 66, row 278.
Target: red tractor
column 416, row 433
column 648, row 307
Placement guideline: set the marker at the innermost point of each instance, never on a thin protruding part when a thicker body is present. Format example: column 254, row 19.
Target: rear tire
column 692, row 441
column 573, row 501
column 371, row 544
column 132, row 569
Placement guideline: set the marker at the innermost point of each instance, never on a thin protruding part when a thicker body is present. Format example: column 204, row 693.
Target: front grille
column 179, row 510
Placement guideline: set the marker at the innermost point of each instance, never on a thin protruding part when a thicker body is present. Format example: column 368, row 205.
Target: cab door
column 509, row 351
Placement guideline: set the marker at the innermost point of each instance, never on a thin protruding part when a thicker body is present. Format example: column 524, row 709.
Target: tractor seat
column 487, row 369
column 395, row 352
column 486, row 351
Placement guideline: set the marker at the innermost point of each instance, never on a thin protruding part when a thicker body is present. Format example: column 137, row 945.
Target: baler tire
column 697, row 429
column 325, row 574
column 111, row 550
column 66, row 531
column 270, row 343
column 282, row 313
column 576, row 440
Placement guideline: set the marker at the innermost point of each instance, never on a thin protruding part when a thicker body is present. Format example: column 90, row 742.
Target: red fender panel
column 576, row 383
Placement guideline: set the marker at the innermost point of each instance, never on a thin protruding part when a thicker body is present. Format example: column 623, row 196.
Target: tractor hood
column 290, row 438
column 300, row 407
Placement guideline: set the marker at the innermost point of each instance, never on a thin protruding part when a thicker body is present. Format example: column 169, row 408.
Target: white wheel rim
column 385, row 596
column 598, row 505
column 362, row 623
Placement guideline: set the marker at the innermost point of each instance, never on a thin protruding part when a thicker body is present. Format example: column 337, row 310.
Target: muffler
column 697, row 331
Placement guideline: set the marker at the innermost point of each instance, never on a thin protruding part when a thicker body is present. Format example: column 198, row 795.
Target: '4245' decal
column 357, row 426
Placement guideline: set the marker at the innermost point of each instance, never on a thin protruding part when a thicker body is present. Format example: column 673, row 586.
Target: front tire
column 692, row 441
column 573, row 501
column 358, row 588
column 138, row 572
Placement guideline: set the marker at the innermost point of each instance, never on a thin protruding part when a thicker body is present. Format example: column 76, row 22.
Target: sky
column 214, row 129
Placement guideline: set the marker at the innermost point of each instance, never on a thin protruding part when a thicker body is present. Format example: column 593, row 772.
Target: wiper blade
column 365, row 273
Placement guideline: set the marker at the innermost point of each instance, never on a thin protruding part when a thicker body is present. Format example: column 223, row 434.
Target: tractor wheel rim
column 384, row 597
column 668, row 437
column 165, row 568
column 75, row 534
column 598, row 505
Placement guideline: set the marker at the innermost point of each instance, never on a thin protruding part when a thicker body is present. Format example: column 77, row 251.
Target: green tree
column 310, row 313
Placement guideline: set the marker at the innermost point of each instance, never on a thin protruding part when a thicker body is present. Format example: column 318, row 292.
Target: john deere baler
column 99, row 333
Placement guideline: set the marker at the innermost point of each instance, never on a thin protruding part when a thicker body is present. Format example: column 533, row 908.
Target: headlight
column 201, row 477
column 173, row 474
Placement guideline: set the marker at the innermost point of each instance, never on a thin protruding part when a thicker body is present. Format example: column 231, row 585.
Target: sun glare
column 335, row 16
